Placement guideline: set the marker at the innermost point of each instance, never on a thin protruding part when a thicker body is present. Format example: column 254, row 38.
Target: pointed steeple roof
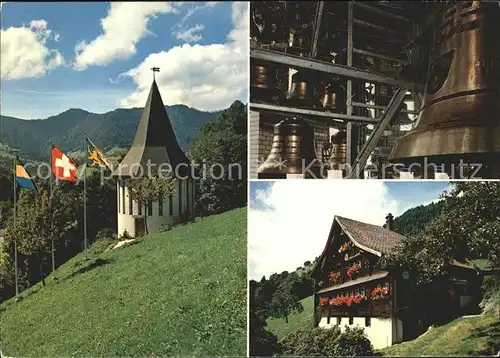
column 154, row 141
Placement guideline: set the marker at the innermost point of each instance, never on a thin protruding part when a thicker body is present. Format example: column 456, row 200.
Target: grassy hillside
column 182, row 292
column 297, row 320
column 464, row 336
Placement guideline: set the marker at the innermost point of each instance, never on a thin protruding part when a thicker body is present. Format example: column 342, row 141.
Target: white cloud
column 297, row 230
column 24, row 53
column 124, row 26
column 190, row 34
column 190, row 12
column 207, row 77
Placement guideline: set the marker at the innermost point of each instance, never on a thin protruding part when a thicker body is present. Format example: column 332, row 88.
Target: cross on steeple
column 155, row 69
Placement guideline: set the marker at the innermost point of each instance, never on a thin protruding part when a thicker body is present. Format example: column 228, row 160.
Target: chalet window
column 140, row 209
column 339, row 319
column 123, row 199
column 130, row 202
column 368, row 321
column 150, row 208
column 351, row 321
column 170, row 205
column 119, row 207
column 160, row 207
column 180, row 197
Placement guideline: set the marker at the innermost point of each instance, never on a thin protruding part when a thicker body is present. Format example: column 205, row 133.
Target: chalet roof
column 372, row 238
column 363, row 279
column 154, row 141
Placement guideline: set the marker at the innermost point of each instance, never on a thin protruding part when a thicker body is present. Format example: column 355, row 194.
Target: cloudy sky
column 97, row 56
column 289, row 221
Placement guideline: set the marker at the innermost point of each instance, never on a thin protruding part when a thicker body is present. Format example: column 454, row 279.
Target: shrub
column 327, row 343
column 105, row 233
column 165, row 228
column 125, row 236
column 353, row 342
column 311, row 342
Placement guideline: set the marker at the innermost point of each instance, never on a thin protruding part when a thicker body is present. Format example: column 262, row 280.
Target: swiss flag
column 63, row 168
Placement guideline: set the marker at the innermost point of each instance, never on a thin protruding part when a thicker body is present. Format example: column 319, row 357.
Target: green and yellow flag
column 96, row 157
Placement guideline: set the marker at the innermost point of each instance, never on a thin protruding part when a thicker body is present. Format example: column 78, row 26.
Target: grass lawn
column 182, row 292
column 464, row 336
column 296, row 321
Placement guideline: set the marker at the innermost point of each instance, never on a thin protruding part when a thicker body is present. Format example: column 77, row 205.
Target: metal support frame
column 334, row 117
column 376, row 134
column 321, row 66
column 316, row 28
column 350, row 144
column 381, row 108
column 366, row 6
column 378, row 55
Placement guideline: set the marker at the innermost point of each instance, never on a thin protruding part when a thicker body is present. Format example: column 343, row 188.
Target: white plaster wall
column 126, row 220
column 379, row 332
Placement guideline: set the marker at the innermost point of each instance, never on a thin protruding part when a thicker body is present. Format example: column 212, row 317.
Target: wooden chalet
column 351, row 291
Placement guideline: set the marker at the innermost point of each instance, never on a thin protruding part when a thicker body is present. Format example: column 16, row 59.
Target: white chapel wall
column 127, row 219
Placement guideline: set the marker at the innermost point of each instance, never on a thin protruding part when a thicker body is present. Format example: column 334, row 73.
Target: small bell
column 334, row 100
column 263, row 83
column 302, row 93
column 339, row 150
column 292, row 152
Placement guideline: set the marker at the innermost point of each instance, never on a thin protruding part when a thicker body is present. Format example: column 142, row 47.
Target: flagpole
column 53, row 254
column 85, row 150
column 15, row 238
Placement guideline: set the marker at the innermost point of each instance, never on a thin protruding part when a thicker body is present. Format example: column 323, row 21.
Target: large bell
column 302, row 93
column 292, row 151
column 263, row 83
column 460, row 114
column 334, row 99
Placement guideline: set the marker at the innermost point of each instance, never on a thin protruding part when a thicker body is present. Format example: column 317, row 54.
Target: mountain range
column 108, row 130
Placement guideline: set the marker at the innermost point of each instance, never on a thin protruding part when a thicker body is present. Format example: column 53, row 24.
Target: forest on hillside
column 112, row 129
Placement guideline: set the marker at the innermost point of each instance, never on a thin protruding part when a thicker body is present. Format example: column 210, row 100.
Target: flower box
column 379, row 293
column 352, row 272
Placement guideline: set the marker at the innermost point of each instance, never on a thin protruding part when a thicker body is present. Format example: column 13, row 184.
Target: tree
column 284, row 303
column 222, row 150
column 146, row 190
column 262, row 342
column 467, row 228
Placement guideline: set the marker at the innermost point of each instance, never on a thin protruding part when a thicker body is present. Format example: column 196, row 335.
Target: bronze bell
column 460, row 115
column 263, row 82
column 338, row 156
column 334, row 99
column 292, row 152
column 302, row 94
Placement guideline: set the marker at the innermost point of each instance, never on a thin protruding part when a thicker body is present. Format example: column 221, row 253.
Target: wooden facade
column 349, row 286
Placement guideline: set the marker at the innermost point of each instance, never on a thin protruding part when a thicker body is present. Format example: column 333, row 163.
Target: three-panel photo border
column 263, row 178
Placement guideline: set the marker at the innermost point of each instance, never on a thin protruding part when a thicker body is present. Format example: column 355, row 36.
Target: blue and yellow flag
column 22, row 177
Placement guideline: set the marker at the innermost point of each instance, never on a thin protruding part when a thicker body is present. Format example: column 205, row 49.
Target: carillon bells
column 334, row 99
column 460, row 116
column 263, row 83
column 292, row 151
column 302, row 93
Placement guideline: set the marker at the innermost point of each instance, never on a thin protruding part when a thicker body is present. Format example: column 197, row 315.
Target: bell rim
column 442, row 142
